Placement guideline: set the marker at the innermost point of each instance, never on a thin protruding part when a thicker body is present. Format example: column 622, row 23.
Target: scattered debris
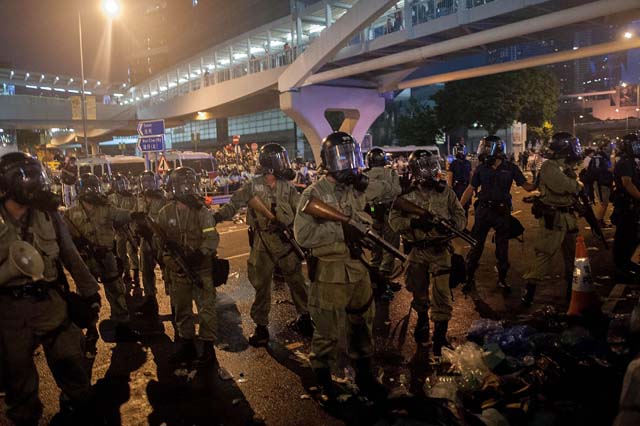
column 294, row 345
column 224, row 374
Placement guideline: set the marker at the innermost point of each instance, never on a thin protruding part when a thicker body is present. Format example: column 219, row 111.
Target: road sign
column 163, row 166
column 151, row 128
column 151, row 143
column 236, row 139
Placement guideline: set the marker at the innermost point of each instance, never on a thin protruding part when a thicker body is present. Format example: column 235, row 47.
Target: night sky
column 42, row 36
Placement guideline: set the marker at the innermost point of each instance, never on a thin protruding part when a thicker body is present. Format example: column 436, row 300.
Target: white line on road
column 231, row 230
column 237, row 256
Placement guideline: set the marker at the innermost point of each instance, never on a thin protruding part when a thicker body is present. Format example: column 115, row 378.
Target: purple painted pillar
column 307, row 107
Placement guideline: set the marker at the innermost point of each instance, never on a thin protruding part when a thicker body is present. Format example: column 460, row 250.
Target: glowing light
column 628, row 35
column 111, row 8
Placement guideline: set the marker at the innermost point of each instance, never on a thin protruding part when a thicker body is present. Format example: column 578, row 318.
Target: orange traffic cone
column 583, row 295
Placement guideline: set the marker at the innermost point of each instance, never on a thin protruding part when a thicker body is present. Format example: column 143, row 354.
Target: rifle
column 583, row 207
column 316, row 208
column 257, row 205
column 447, row 225
column 174, row 251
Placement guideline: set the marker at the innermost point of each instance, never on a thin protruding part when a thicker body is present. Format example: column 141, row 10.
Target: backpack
column 598, row 170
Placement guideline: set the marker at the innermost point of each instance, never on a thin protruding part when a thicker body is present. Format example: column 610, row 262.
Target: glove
column 423, row 224
column 138, row 216
column 194, row 257
column 218, row 217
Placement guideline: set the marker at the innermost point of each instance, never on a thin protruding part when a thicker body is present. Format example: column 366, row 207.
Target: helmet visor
column 344, row 157
column 484, row 148
column 575, row 149
column 275, row 161
column 30, row 178
column 148, row 182
column 427, row 168
column 186, row 185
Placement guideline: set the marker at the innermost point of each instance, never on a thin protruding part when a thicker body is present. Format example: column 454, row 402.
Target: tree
column 495, row 101
column 418, row 125
column 540, row 133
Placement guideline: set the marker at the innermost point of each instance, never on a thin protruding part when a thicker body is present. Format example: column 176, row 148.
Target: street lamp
column 111, row 8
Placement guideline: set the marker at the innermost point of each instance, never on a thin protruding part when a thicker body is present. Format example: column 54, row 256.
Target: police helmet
column 564, row 145
column 120, row 184
column 183, row 181
column 273, row 158
column 424, row 166
column 149, row 181
column 340, row 152
column 376, row 157
column 460, row 150
column 629, row 146
column 22, row 178
column 88, row 184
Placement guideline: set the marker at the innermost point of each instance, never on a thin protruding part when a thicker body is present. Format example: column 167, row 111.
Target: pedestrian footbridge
column 345, row 55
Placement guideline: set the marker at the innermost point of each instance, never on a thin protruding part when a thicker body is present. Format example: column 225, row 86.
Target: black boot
column 260, row 336
column 207, row 357
column 440, row 336
column 367, row 383
column 421, row 332
column 136, row 278
column 503, row 285
column 149, row 307
column 470, row 285
column 325, row 383
column 529, row 293
column 124, row 333
column 304, row 325
column 185, row 352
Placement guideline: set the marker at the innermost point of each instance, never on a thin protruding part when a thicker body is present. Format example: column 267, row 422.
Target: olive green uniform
column 124, row 250
column 430, row 256
column 98, row 227
column 28, row 321
column 151, row 206
column 557, row 190
column 341, row 286
column 192, row 229
column 384, row 187
column 268, row 249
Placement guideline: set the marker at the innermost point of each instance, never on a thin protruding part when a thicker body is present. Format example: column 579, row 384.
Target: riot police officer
column 493, row 179
column 340, row 284
column 626, row 212
column 126, row 248
column 191, row 229
column 384, row 186
column 150, row 201
column 430, row 256
column 268, row 248
column 460, row 172
column 33, row 310
column 554, row 208
column 92, row 223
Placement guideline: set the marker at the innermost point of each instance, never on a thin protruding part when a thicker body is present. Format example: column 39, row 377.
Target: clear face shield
column 460, row 151
column 344, row 157
column 427, row 168
column 276, row 161
column 149, row 183
column 575, row 150
column 186, row 185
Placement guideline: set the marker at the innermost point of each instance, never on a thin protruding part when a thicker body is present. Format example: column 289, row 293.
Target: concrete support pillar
column 308, row 105
column 222, row 131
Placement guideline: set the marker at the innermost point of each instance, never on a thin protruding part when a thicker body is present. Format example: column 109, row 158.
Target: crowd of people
column 119, row 239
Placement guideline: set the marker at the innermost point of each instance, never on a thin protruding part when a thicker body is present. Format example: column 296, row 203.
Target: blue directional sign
column 151, row 143
column 151, row 128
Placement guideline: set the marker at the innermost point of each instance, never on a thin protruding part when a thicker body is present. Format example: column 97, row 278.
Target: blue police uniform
column 493, row 210
column 625, row 216
column 461, row 171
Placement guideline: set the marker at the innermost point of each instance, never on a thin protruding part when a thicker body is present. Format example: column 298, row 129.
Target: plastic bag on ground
column 629, row 414
column 468, row 361
column 481, row 328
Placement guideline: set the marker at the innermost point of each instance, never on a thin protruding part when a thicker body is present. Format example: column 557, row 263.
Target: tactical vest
column 41, row 234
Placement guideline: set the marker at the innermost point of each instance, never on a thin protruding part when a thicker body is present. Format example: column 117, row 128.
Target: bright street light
column 111, row 8
column 628, row 35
